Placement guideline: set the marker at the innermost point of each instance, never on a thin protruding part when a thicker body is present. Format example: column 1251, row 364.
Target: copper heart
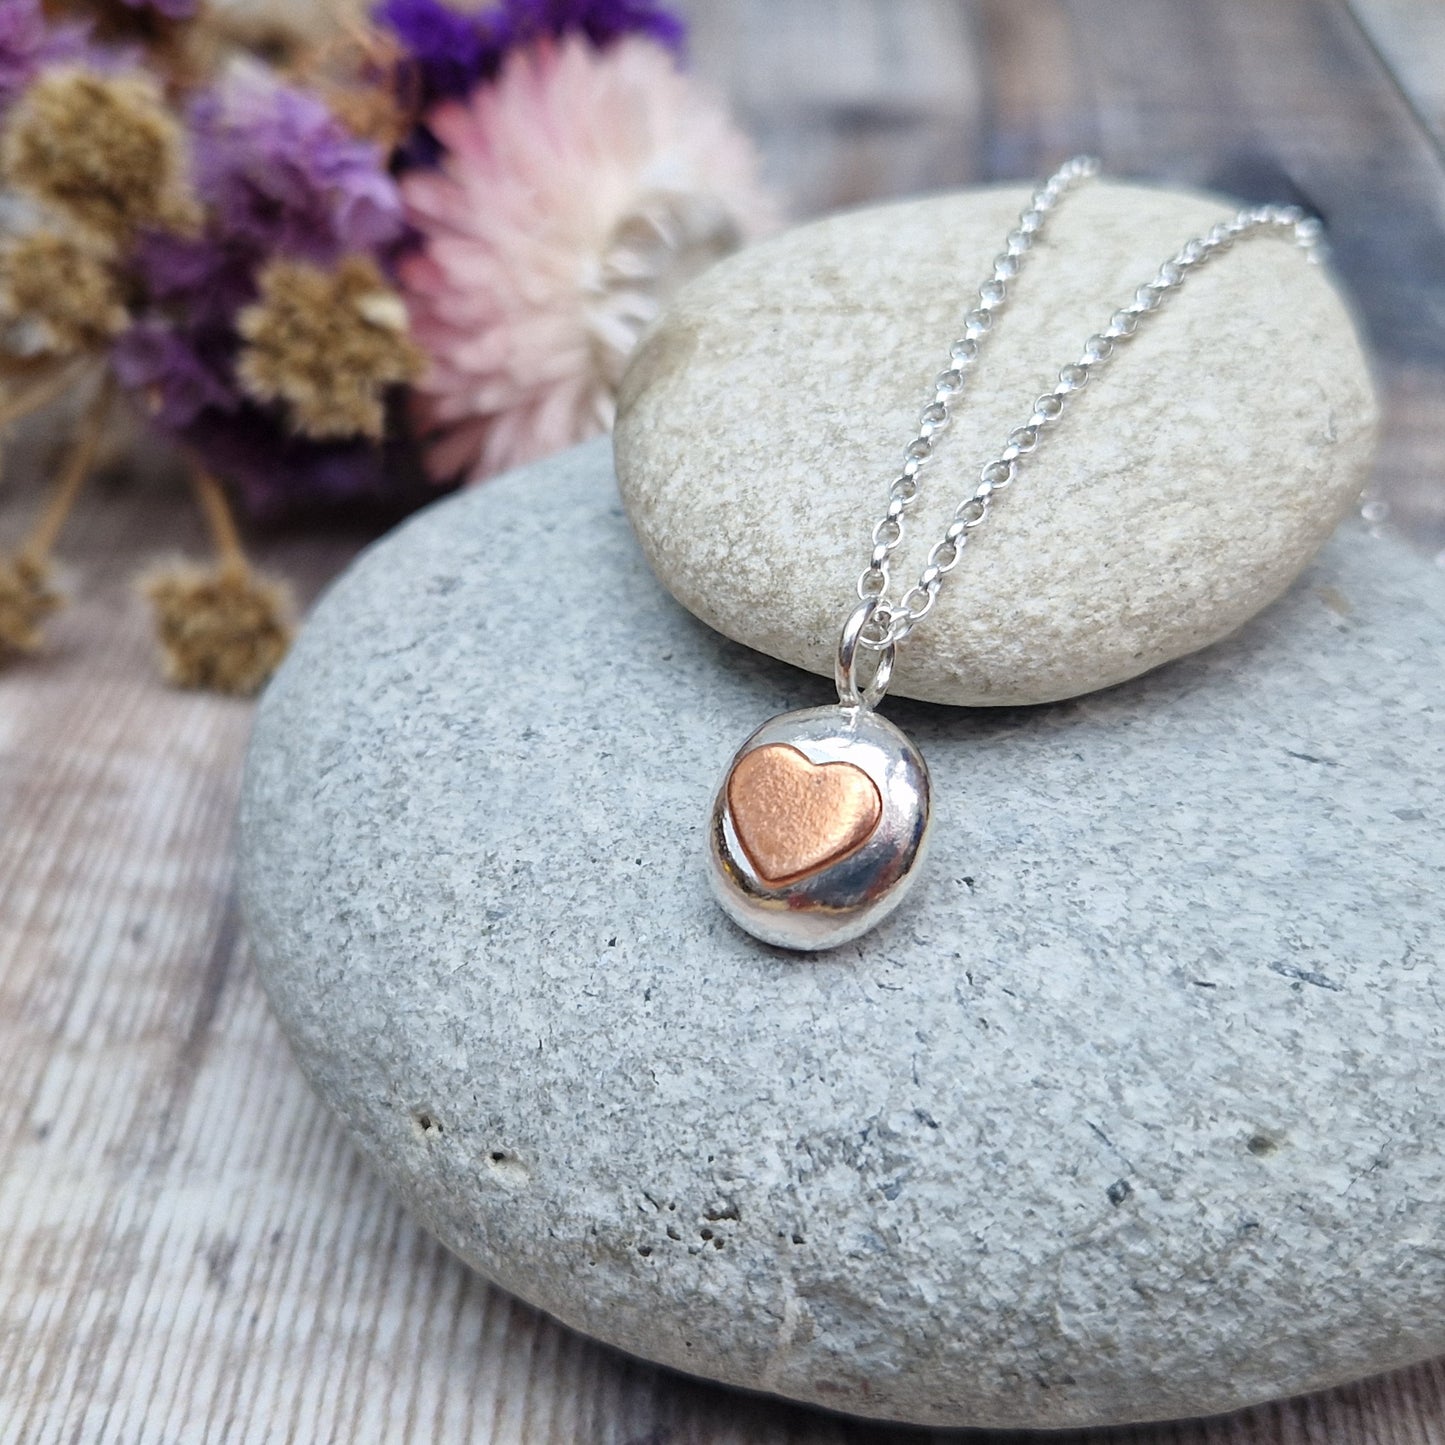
column 795, row 817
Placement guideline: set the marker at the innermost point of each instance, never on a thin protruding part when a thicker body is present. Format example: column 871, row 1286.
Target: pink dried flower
column 575, row 194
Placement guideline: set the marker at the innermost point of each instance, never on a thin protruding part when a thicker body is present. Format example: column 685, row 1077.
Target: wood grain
column 190, row 1250
column 1410, row 37
column 1265, row 101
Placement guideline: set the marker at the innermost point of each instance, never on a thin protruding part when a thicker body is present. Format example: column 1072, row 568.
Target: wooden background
column 190, row 1251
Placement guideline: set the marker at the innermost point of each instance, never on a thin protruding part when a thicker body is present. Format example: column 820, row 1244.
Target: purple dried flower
column 601, row 21
column 180, row 377
column 170, row 9
column 209, row 279
column 453, row 52
column 280, row 177
column 29, row 42
column 186, row 380
column 449, row 51
column 283, row 176
column 278, row 473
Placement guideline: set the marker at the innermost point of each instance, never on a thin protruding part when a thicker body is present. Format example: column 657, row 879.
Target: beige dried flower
column 222, row 628
column 101, row 149
column 62, row 287
column 26, row 600
column 327, row 344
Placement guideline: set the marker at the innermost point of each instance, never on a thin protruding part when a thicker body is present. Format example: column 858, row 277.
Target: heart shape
column 795, row 817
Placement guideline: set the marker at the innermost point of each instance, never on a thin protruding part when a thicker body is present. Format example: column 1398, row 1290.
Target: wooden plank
column 1262, row 101
column 849, row 100
column 190, row 1250
column 1285, row 100
column 1410, row 36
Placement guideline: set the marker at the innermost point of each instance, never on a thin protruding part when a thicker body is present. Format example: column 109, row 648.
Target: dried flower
column 26, row 597
column 62, row 289
column 166, row 9
column 284, row 177
column 576, row 193
column 372, row 113
column 600, row 21
column 205, row 278
column 278, row 473
column 26, row 600
column 186, row 380
column 174, row 374
column 158, row 26
column 451, row 52
column 327, row 344
column 222, row 628
column 101, row 149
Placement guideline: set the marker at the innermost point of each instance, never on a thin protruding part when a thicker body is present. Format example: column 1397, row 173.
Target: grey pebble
column 1134, row 1111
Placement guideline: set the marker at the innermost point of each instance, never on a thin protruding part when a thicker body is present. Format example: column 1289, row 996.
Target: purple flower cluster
column 448, row 52
column 171, row 9
column 182, row 374
column 451, row 52
column 280, row 177
column 601, row 21
column 280, row 474
column 29, row 42
column 186, row 377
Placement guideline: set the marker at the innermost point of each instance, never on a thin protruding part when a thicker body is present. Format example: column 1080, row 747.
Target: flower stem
column 74, row 470
column 23, row 366
column 42, row 390
column 220, row 522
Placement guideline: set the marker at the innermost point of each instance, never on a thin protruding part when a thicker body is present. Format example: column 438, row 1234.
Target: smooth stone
column 1134, row 1110
column 765, row 415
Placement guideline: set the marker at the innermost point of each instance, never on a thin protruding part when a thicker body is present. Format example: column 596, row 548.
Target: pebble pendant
column 821, row 820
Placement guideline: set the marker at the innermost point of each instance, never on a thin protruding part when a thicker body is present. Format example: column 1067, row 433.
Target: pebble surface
column 1190, row 481
column 1132, row 1111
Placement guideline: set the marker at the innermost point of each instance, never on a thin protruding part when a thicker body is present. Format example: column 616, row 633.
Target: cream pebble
column 1205, row 462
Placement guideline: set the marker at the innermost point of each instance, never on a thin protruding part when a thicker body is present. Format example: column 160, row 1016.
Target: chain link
column 889, row 623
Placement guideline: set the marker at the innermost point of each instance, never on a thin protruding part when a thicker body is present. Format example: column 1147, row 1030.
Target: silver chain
column 880, row 625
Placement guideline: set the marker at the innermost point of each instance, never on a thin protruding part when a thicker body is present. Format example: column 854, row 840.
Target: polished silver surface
column 856, row 688
column 843, row 899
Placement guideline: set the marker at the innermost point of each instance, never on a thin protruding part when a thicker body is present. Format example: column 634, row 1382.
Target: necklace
column 822, row 818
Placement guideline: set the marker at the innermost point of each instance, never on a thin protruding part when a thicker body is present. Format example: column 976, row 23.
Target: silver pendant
column 821, row 819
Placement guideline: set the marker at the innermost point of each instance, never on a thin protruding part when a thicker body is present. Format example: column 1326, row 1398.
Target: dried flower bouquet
column 304, row 261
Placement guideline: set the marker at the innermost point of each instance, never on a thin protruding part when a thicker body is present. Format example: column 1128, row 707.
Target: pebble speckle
column 1132, row 1111
column 1184, row 489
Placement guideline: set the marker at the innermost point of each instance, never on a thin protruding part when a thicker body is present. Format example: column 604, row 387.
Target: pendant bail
column 855, row 689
